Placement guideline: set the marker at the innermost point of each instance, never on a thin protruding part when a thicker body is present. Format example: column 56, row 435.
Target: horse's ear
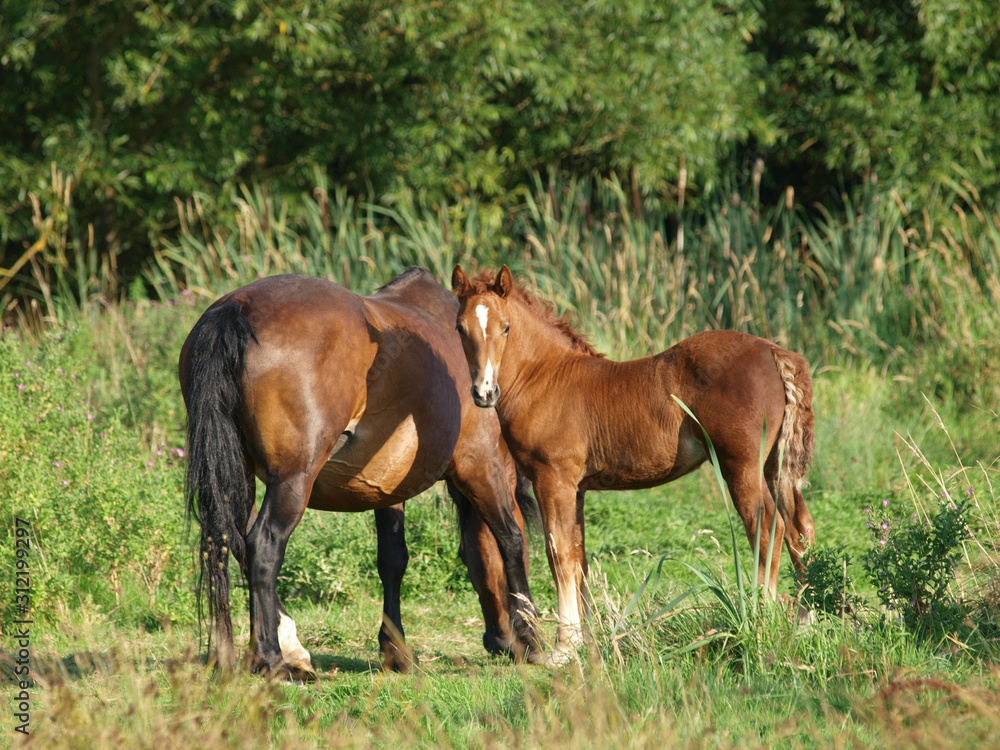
column 504, row 282
column 459, row 281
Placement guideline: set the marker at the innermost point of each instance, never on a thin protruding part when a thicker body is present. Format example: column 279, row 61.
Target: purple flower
column 20, row 386
column 885, row 502
column 90, row 416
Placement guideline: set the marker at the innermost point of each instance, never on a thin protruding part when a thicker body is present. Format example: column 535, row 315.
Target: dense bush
column 450, row 99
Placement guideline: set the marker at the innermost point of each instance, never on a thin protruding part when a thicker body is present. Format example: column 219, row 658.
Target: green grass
column 90, row 432
column 117, row 652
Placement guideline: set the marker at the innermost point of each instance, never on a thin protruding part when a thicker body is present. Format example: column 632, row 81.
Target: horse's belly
column 641, row 468
column 365, row 475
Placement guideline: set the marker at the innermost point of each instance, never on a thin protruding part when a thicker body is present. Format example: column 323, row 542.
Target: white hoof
column 293, row 652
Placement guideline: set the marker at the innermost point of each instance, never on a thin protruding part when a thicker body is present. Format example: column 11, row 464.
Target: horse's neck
column 541, row 351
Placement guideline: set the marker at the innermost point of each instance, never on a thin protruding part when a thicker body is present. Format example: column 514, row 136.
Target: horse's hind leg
column 392, row 559
column 753, row 501
column 280, row 512
column 799, row 528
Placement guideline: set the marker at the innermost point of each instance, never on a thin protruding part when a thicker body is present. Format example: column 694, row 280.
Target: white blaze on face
column 488, row 376
column 483, row 313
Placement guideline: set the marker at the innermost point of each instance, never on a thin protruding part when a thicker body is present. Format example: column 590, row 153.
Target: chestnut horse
column 576, row 421
column 342, row 403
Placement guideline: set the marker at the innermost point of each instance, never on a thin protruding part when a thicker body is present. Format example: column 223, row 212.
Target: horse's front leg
column 280, row 512
column 392, row 559
column 485, row 486
column 478, row 550
column 561, row 504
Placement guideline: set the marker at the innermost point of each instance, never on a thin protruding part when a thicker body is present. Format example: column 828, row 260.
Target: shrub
column 911, row 563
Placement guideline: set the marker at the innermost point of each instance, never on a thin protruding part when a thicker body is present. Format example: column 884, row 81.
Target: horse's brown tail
column 796, row 439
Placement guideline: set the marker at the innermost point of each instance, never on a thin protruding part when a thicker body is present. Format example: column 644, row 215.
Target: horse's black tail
column 219, row 489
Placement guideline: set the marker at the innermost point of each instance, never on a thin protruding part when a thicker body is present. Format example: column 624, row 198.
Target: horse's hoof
column 536, row 656
column 398, row 660
column 300, row 674
column 284, row 672
column 560, row 657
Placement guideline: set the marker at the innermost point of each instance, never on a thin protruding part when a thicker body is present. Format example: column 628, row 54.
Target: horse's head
column 483, row 324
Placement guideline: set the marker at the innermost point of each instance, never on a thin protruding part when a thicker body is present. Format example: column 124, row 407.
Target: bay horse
column 576, row 421
column 342, row 403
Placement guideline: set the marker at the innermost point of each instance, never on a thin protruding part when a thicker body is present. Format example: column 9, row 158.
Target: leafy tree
column 905, row 89
column 143, row 101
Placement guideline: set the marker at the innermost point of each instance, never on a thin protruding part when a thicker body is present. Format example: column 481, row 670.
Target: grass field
column 91, row 458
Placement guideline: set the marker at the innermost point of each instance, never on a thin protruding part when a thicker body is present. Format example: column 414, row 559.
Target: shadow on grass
column 72, row 667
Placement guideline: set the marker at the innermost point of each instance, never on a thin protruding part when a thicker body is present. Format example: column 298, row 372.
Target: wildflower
column 65, row 483
column 885, row 503
column 20, row 386
column 56, row 463
column 968, row 492
column 882, row 542
column 90, row 416
column 180, row 453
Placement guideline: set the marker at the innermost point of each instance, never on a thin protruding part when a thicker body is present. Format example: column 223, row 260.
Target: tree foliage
column 141, row 103
column 905, row 89
column 144, row 101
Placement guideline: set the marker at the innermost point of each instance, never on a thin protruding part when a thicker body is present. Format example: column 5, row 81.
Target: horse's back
column 413, row 298
column 731, row 382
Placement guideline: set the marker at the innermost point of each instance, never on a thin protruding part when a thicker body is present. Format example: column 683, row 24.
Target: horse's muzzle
column 487, row 399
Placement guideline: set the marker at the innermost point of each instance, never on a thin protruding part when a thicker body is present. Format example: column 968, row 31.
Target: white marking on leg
column 292, row 651
column 483, row 313
column 570, row 633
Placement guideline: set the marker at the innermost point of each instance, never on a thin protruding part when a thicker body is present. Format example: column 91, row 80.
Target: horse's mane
column 541, row 309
